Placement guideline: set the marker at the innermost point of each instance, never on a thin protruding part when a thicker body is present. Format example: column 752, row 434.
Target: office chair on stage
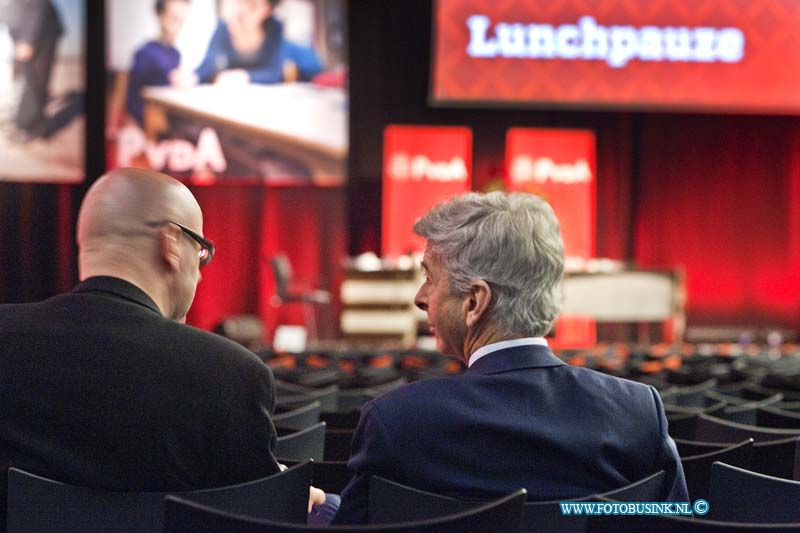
column 287, row 292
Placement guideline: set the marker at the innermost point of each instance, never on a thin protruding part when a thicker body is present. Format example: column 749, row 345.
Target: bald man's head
column 126, row 230
column 122, row 200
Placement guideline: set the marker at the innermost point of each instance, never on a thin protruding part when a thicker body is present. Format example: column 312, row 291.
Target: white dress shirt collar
column 502, row 345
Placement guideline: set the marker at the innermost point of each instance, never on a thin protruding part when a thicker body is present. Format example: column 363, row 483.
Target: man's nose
column 420, row 300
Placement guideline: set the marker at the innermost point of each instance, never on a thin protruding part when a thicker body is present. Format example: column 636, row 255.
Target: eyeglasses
column 207, row 247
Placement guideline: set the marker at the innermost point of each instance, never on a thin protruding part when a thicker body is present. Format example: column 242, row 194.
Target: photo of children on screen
column 222, row 89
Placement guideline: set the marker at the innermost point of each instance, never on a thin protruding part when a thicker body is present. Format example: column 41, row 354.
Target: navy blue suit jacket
column 518, row 417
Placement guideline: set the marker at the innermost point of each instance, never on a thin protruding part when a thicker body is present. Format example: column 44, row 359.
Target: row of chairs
column 278, row 503
column 739, row 423
column 743, row 423
column 358, row 369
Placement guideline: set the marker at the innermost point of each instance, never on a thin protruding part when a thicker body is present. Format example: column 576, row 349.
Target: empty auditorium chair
column 390, row 501
column 502, row 514
column 745, row 412
column 713, row 429
column 697, row 468
column 772, row 417
column 337, row 444
column 288, row 292
column 682, row 425
column 308, row 443
column 37, row 504
column 691, row 396
column 741, row 495
column 331, row 476
column 780, row 458
column 327, row 396
column 710, row 408
column 285, row 388
column 688, row 448
column 300, row 417
column 341, row 419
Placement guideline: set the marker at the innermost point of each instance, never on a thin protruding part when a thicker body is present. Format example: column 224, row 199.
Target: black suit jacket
column 97, row 388
column 518, row 417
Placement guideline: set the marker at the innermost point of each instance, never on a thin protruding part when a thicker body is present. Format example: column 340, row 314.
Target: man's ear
column 477, row 302
column 168, row 248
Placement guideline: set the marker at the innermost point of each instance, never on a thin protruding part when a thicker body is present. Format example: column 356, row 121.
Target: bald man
column 104, row 387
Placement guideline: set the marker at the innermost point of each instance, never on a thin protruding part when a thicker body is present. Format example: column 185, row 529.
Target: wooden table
column 300, row 121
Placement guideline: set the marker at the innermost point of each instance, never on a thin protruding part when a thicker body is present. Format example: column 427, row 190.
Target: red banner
column 560, row 166
column 422, row 165
column 741, row 56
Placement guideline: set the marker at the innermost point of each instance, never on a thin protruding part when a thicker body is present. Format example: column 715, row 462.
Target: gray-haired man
column 519, row 416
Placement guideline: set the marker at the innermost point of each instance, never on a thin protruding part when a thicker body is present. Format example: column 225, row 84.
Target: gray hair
column 511, row 241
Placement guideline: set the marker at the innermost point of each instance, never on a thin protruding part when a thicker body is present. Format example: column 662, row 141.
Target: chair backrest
column 37, row 504
column 688, row 448
column 331, row 476
column 711, row 408
column 644, row 490
column 300, row 418
column 742, row 495
column 391, row 502
column 745, row 412
column 337, row 444
column 713, row 429
column 327, row 396
column 285, row 388
column 341, row 419
column 683, row 425
column 791, row 406
column 502, row 514
column 281, row 497
column 548, row 515
column 387, row 386
column 355, row 398
column 772, row 417
column 691, row 396
column 304, row 444
column 779, row 458
column 282, row 269
column 757, row 391
column 697, row 469
column 738, row 400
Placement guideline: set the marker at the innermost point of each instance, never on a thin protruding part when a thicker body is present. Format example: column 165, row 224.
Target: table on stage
column 300, row 121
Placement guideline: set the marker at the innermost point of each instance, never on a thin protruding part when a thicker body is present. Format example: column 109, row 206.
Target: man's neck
column 156, row 291
column 487, row 335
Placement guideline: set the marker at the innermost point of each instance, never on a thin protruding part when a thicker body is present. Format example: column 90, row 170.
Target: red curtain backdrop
column 250, row 225
column 720, row 196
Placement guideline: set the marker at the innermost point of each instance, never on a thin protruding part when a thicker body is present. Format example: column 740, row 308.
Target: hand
column 315, row 497
column 232, row 77
column 23, row 52
column 290, row 72
column 182, row 78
